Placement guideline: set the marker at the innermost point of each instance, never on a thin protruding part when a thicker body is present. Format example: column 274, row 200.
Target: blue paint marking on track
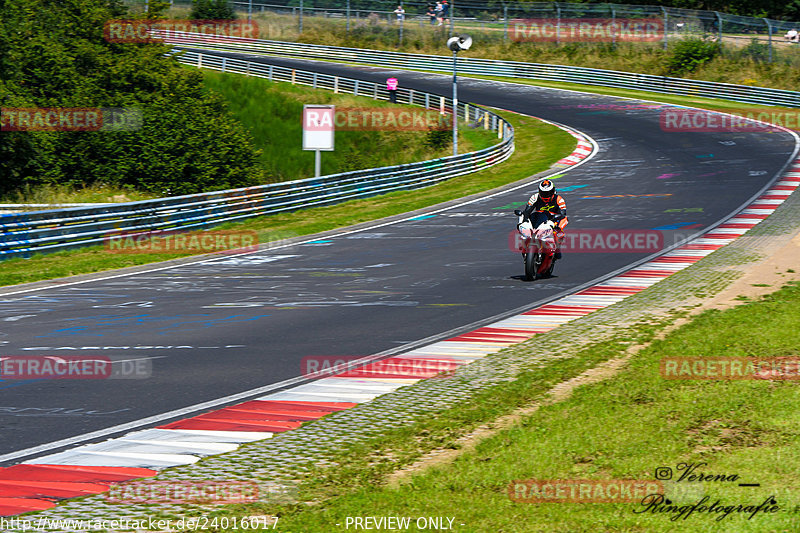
column 319, row 242
column 675, row 226
column 422, row 217
column 571, row 188
column 183, row 323
column 9, row 384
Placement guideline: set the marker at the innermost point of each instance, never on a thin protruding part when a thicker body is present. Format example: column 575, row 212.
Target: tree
column 212, row 10
column 53, row 54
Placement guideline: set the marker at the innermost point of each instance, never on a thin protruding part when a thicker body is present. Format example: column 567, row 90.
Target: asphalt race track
column 236, row 323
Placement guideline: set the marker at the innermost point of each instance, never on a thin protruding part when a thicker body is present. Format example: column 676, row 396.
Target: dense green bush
column 688, row 55
column 438, row 139
column 757, row 51
column 53, row 54
column 212, row 10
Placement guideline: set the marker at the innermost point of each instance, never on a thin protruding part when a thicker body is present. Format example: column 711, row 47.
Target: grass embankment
column 538, row 146
column 735, row 63
column 623, row 428
column 272, row 112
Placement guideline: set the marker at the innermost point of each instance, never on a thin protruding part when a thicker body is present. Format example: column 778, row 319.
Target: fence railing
column 492, row 67
column 22, row 234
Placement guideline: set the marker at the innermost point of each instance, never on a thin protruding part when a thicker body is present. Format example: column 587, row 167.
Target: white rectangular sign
column 318, row 127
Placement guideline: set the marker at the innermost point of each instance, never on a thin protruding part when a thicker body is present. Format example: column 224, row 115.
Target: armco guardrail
column 53, row 230
column 491, row 67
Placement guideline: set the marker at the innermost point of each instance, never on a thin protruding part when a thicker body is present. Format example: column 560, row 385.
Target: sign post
column 456, row 44
column 318, row 131
column 391, row 86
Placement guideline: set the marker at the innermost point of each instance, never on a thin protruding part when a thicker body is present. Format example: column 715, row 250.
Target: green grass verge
column 538, row 146
column 622, row 428
column 60, row 194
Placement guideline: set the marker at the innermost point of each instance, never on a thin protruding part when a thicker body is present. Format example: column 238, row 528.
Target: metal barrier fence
column 23, row 234
column 491, row 67
column 496, row 19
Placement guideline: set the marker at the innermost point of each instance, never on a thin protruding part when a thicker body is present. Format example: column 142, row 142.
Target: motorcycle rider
column 549, row 202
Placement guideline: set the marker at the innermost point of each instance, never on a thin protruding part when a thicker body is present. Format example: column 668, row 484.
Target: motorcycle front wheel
column 530, row 265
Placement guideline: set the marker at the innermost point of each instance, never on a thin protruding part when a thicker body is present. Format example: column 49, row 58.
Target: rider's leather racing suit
column 555, row 209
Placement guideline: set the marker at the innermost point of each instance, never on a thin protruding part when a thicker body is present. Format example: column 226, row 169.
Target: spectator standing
column 438, row 11
column 445, row 12
column 432, row 14
column 401, row 13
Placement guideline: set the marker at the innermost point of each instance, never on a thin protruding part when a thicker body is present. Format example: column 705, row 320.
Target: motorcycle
column 537, row 243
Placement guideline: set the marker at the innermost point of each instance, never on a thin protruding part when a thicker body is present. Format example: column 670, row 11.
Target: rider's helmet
column 547, row 190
